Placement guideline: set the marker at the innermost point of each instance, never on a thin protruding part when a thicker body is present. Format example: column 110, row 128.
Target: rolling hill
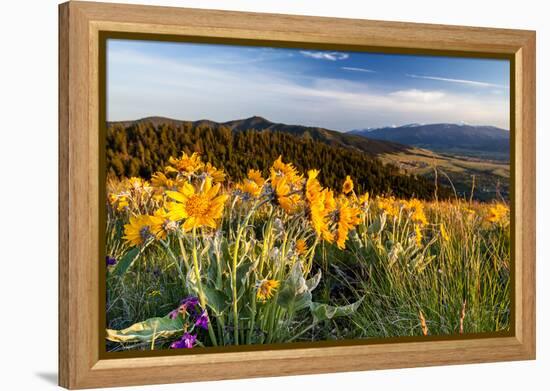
column 326, row 136
column 469, row 140
column 456, row 168
column 143, row 147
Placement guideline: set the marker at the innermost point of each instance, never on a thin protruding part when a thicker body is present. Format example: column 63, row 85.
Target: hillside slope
column 144, row 147
column 326, row 136
column 347, row 153
column 447, row 138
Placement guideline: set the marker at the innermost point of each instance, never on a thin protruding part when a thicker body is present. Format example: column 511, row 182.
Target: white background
column 28, row 207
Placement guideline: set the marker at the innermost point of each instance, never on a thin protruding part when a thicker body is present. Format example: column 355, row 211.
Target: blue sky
column 332, row 89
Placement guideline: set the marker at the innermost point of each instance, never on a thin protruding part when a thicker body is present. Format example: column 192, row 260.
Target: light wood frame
column 80, row 365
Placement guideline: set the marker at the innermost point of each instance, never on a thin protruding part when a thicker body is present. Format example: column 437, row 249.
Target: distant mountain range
column 326, row 136
column 446, row 138
column 143, row 147
column 460, row 151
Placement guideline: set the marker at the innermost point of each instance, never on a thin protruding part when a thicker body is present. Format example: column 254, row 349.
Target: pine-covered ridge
column 140, row 148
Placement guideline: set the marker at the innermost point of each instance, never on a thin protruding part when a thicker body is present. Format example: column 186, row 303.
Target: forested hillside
column 142, row 148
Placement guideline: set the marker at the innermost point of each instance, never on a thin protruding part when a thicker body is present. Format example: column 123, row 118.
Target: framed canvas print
column 247, row 195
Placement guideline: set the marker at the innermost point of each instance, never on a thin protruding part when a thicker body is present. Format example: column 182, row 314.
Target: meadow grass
column 282, row 259
column 459, row 280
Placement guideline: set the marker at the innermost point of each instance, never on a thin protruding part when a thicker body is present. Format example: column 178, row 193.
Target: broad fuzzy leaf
column 314, row 281
column 216, row 300
column 295, row 293
column 324, row 311
column 146, row 330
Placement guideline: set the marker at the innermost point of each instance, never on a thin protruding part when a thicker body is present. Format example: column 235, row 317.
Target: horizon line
column 310, row 126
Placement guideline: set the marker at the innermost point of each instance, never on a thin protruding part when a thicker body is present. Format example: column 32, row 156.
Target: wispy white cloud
column 354, row 69
column 460, row 81
column 418, row 95
column 331, row 56
column 141, row 84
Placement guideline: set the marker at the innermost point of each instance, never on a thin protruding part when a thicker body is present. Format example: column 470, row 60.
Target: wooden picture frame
column 80, row 26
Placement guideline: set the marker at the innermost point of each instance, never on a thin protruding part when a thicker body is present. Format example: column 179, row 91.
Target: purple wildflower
column 189, row 305
column 173, row 314
column 110, row 261
column 202, row 320
column 190, row 301
column 187, row 341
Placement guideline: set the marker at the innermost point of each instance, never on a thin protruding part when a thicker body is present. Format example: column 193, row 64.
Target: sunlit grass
column 277, row 258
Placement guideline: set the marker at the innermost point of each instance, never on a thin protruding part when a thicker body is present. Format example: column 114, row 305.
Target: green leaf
column 215, row 300
column 243, row 274
column 295, row 293
column 289, row 300
column 205, row 251
column 324, row 311
column 125, row 262
column 243, row 271
column 146, row 330
column 314, row 281
column 377, row 225
column 226, row 252
column 191, row 281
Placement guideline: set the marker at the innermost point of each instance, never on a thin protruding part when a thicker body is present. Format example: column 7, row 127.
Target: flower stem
column 234, row 274
column 183, row 253
column 199, row 286
column 265, row 254
column 252, row 317
column 234, row 288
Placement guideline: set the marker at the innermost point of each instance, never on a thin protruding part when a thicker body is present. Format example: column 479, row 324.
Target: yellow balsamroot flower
column 285, row 198
column 160, row 180
column 119, row 201
column 266, row 288
column 113, row 198
column 199, row 209
column 162, row 224
column 250, row 188
column 186, row 165
column 418, row 235
column 256, row 177
column 329, row 200
column 313, row 187
column 253, row 184
column 301, row 247
column 444, row 233
column 320, row 208
column 159, row 197
column 138, row 231
column 214, row 173
column 137, row 183
column 497, row 214
column 284, row 171
column 364, row 199
column 389, row 206
column 348, row 185
column 348, row 218
column 417, row 209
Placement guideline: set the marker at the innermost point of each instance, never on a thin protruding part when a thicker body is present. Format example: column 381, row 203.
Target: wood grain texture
column 79, row 334
column 526, row 189
column 63, row 220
